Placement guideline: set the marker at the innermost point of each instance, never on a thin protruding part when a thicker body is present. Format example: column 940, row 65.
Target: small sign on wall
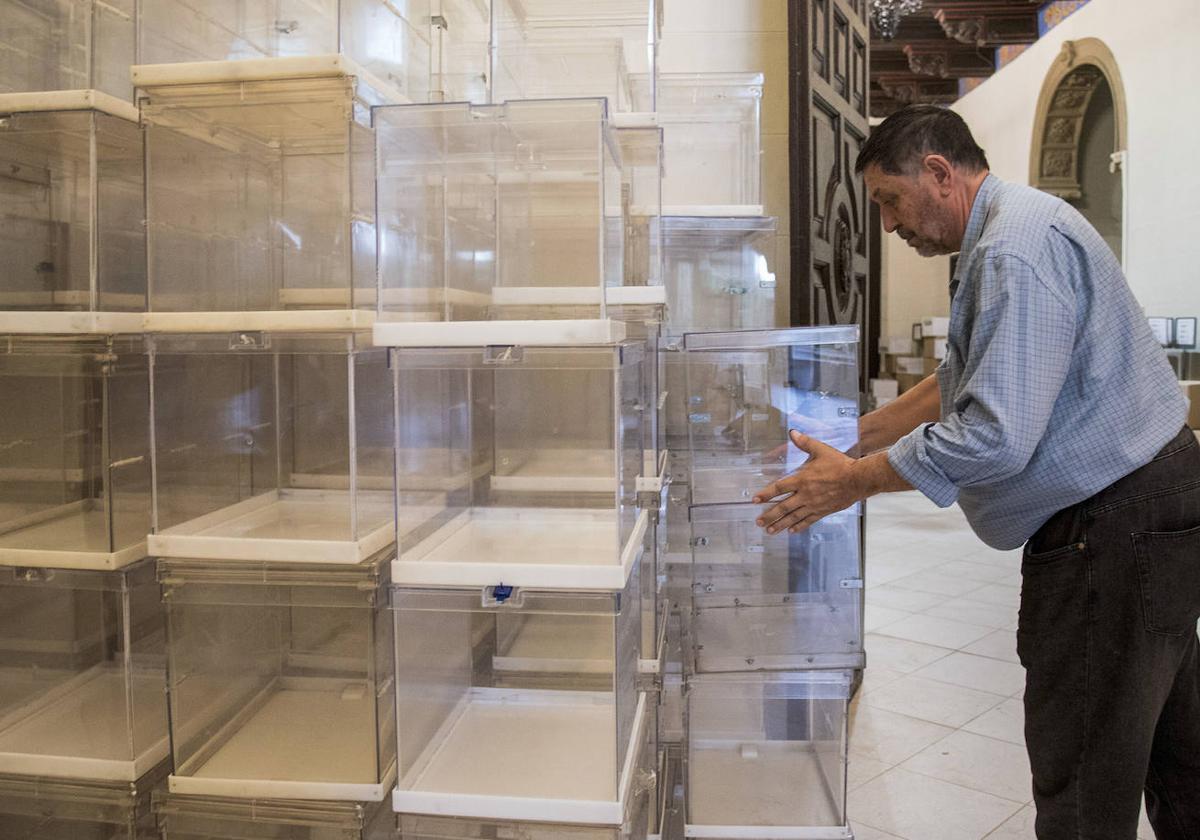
column 1161, row 327
column 1179, row 333
column 1185, row 333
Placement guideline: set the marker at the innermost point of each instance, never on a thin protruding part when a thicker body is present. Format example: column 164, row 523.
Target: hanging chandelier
column 886, row 15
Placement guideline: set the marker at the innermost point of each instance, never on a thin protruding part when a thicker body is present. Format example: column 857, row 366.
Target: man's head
column 923, row 168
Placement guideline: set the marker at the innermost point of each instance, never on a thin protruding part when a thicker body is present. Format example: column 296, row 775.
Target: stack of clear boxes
column 519, row 620
column 83, row 716
column 773, row 626
column 388, row 390
column 271, row 410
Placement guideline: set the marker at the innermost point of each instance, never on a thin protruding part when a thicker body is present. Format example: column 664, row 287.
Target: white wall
column 1154, row 43
column 913, row 287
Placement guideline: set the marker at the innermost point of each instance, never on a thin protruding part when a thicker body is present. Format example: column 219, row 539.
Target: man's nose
column 888, row 219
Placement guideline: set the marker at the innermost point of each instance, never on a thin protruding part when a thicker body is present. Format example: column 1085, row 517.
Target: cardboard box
column 935, row 327
column 1191, row 390
column 910, row 364
column 885, row 389
column 931, row 365
column 896, row 345
column 934, row 348
column 907, row 381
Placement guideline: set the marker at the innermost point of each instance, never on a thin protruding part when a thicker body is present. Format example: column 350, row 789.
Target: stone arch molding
column 1070, row 84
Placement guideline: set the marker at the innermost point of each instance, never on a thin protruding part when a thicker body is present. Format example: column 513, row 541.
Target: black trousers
column 1110, row 599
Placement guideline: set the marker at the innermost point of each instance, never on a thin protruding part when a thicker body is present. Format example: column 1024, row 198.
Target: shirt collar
column 975, row 222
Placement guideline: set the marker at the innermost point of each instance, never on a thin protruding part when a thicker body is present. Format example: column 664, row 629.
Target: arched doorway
column 1079, row 139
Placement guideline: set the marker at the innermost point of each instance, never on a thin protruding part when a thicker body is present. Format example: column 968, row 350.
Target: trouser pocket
column 1053, row 592
column 1168, row 564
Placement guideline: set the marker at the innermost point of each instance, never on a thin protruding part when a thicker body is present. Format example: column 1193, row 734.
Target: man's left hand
column 825, row 484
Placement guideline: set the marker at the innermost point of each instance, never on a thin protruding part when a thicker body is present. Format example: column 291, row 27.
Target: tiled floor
column 937, row 749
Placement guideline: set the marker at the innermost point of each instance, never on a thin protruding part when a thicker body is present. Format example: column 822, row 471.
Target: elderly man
column 1056, row 423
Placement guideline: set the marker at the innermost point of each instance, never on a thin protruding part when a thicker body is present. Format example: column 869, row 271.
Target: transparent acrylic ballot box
column 82, row 664
column 766, row 756
column 519, row 704
column 74, row 445
column 41, row 808
column 281, row 679
column 558, row 48
column 519, row 465
column 215, row 818
column 773, row 602
column 746, row 390
column 417, row 827
column 72, row 238
column 712, row 140
column 388, row 39
column 719, row 272
column 260, row 192
column 67, row 45
column 487, row 208
column 272, row 446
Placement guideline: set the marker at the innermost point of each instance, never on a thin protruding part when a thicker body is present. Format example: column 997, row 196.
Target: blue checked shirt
column 1053, row 386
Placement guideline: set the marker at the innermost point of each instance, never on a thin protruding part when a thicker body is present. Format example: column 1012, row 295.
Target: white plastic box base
column 294, row 526
column 554, row 548
column 275, row 750
column 75, row 730
column 73, row 536
column 515, row 754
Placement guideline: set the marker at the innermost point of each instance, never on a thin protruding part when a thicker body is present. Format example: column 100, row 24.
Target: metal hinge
column 503, row 354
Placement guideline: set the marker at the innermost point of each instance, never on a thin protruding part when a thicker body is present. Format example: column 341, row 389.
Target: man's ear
column 941, row 170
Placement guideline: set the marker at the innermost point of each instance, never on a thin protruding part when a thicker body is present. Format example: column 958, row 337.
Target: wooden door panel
column 831, row 234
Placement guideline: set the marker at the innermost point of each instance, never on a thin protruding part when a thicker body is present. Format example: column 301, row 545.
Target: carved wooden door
column 830, row 213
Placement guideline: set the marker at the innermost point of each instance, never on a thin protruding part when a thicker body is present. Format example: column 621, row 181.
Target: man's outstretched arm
column 884, row 426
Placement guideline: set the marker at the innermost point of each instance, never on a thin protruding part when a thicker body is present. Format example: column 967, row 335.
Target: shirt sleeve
column 1016, row 361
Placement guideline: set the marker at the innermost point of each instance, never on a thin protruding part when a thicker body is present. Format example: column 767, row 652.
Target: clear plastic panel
column 747, row 390
column 779, row 602
column 460, row 62
column 272, row 446
column 516, row 463
column 74, row 452
column 641, row 166
column 766, row 751
column 526, row 695
column 262, row 658
column 719, row 273
column 41, row 808
column 83, row 673
column 73, row 238
column 711, row 134
column 485, row 210
column 260, row 196
column 67, row 45
column 214, row 818
column 550, row 48
column 390, row 39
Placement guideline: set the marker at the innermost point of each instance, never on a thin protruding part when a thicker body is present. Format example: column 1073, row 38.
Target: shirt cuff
column 910, row 459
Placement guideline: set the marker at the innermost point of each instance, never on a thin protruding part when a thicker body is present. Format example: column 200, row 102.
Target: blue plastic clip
column 502, row 593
